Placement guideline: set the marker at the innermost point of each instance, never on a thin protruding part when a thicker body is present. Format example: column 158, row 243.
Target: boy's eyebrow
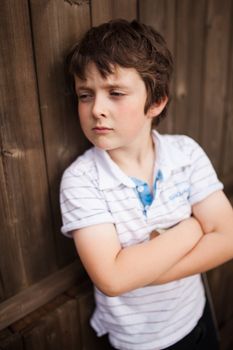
column 105, row 86
column 82, row 87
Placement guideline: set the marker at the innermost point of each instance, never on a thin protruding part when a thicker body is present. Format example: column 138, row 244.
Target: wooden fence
column 45, row 296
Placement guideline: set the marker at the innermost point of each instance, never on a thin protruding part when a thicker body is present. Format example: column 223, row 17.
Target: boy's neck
column 137, row 161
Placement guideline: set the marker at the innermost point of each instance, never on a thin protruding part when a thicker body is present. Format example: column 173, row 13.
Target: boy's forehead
column 119, row 75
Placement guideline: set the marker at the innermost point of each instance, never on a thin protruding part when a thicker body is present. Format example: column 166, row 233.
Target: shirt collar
column 110, row 175
column 168, row 158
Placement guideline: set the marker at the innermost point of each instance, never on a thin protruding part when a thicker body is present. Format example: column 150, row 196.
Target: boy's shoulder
column 179, row 152
column 81, row 167
column 179, row 140
column 182, row 144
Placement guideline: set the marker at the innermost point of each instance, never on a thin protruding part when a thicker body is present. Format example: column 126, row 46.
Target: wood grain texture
column 20, row 305
column 40, row 135
column 161, row 15
column 59, row 329
column 86, row 307
column 221, row 286
column 105, row 10
column 56, row 26
column 215, row 76
column 226, row 165
column 189, row 59
column 27, row 250
column 10, row 341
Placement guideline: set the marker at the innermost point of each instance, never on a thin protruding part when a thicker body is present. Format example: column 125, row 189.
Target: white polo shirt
column 95, row 190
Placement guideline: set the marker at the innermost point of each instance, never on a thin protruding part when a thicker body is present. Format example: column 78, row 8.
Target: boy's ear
column 157, row 107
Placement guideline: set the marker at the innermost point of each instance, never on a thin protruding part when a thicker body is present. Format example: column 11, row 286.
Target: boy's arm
column 215, row 215
column 115, row 270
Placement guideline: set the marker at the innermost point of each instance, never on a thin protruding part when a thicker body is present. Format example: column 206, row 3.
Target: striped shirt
column 95, row 190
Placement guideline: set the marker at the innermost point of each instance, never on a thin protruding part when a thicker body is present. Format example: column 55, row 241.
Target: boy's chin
column 105, row 146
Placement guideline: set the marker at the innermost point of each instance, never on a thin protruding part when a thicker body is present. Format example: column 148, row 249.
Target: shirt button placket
column 140, row 188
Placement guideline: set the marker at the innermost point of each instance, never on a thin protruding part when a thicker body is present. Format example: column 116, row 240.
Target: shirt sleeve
column 203, row 177
column 82, row 203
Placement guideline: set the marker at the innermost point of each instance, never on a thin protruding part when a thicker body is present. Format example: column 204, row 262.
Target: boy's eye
column 84, row 97
column 116, row 93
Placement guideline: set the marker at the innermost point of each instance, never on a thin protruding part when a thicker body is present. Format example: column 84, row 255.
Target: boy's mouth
column 102, row 129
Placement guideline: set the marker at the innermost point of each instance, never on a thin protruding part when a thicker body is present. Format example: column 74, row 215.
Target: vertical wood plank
column 103, row 11
column 56, row 26
column 59, row 329
column 86, row 307
column 216, row 63
column 10, row 341
column 126, row 9
column 227, row 159
column 227, row 336
column 221, row 286
column 189, row 66
column 161, row 16
column 181, row 65
column 27, row 252
column 153, row 13
column 196, row 50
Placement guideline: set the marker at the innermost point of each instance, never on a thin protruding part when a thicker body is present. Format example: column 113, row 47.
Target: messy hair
column 129, row 45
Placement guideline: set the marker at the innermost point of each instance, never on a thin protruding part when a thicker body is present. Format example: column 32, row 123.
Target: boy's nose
column 99, row 109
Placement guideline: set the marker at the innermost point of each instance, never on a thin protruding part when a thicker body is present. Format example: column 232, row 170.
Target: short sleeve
column 203, row 178
column 82, row 203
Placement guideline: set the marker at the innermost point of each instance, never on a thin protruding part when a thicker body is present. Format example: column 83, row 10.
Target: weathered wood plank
column 227, row 159
column 126, row 9
column 161, row 14
column 10, row 341
column 56, row 26
column 13, row 342
column 86, row 305
column 29, row 320
column 181, row 65
column 189, row 62
column 215, row 82
column 153, row 13
column 100, row 11
column 196, row 50
column 103, row 11
column 27, row 251
column 221, row 286
column 58, row 329
column 22, row 304
column 227, row 335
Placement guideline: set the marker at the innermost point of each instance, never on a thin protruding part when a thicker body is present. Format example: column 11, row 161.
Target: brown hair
column 129, row 45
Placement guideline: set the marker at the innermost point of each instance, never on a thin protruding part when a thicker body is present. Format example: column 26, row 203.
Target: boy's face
column 111, row 109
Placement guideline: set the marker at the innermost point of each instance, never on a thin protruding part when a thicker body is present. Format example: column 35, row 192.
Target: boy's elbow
column 110, row 292
column 112, row 287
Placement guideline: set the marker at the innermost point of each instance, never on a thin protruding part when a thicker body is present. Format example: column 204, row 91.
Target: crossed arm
column 181, row 251
column 215, row 216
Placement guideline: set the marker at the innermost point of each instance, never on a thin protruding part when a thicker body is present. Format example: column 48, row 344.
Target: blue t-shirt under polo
column 144, row 193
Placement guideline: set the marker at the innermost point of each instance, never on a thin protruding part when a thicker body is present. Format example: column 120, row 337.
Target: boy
column 135, row 182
